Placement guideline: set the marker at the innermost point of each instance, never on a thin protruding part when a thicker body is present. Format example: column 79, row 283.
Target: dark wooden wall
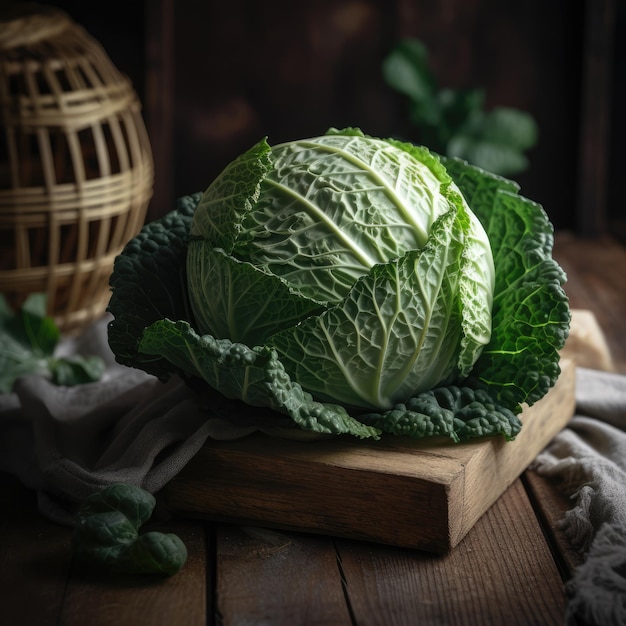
column 217, row 76
column 244, row 69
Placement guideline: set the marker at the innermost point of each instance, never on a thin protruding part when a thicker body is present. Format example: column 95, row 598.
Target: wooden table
column 509, row 569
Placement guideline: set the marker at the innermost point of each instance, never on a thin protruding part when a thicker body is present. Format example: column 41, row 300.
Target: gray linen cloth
column 67, row 442
column 588, row 458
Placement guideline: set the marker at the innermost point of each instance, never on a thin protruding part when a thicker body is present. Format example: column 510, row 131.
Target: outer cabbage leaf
column 258, row 378
column 148, row 284
column 255, row 376
column 477, row 270
column 230, row 197
column 216, row 280
column 457, row 412
column 530, row 311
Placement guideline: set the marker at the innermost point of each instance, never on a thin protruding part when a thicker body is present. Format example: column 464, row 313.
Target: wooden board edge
column 497, row 464
column 253, row 489
column 270, row 482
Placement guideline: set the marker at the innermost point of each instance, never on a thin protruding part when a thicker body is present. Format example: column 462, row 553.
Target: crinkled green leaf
column 334, row 206
column 520, row 363
column 107, row 535
column 255, row 376
column 459, row 413
column 240, row 301
column 148, row 283
column 226, row 202
column 530, row 313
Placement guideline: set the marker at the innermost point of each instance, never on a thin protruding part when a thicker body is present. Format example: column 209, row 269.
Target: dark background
column 214, row 77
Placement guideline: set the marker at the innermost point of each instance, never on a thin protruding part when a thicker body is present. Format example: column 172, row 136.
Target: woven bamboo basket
column 76, row 170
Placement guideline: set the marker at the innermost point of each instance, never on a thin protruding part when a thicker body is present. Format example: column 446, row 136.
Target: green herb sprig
column 28, row 339
column 455, row 122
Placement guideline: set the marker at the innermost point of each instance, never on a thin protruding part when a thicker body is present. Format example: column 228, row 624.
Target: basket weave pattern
column 76, row 169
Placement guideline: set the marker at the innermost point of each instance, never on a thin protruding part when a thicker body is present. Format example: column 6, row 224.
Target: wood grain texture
column 596, row 270
column 35, row 559
column 415, row 494
column 551, row 504
column 274, row 578
column 501, row 573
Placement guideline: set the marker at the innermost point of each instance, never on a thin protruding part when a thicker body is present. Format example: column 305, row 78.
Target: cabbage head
column 349, row 284
column 356, row 259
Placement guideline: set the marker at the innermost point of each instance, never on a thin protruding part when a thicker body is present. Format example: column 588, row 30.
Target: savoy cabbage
column 350, row 284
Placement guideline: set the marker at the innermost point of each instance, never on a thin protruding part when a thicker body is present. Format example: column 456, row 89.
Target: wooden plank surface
column 416, row 494
column 551, row 505
column 40, row 583
column 35, row 559
column 501, row 573
column 596, row 270
column 274, row 578
column 99, row 599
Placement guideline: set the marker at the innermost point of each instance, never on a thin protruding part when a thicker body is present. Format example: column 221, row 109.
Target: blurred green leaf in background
column 455, row 122
column 28, row 340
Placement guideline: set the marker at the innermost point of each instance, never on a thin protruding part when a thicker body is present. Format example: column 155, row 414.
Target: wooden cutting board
column 423, row 495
